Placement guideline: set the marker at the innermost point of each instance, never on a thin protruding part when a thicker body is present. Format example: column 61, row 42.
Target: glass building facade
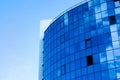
column 84, row 43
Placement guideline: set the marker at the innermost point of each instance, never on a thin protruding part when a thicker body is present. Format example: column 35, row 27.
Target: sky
column 20, row 34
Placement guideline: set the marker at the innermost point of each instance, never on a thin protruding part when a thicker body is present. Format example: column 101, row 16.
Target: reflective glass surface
column 84, row 43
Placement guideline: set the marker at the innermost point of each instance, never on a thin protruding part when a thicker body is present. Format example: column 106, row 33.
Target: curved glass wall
column 84, row 43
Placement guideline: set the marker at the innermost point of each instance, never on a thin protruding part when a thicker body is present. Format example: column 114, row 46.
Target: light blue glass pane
column 110, row 55
column 117, row 53
column 118, row 72
column 102, row 1
column 90, row 3
column 99, row 23
column 117, row 4
column 114, row 36
column 113, row 27
column 103, row 6
column 117, row 10
column 97, row 9
column 58, row 72
column 109, row 46
column 116, row 44
column 111, row 64
column 117, row 63
column 102, row 57
column 98, row 15
column 66, row 22
column 105, row 21
column 104, row 14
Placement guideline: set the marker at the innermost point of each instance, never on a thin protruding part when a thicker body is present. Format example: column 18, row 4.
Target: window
column 89, row 60
column 63, row 70
column 112, row 19
column 88, row 43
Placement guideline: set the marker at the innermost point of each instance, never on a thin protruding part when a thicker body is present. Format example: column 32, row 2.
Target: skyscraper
column 84, row 43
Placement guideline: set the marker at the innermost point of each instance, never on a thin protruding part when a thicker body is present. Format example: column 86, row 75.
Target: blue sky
column 19, row 35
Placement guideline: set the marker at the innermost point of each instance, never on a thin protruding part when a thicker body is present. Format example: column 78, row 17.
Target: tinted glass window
column 112, row 19
column 89, row 60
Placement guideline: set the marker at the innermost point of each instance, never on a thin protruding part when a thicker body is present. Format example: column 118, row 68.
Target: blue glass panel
column 117, row 63
column 84, row 71
column 98, row 15
column 111, row 12
column 117, row 53
column 84, row 78
column 72, row 66
column 117, row 4
column 81, row 30
column 82, row 45
column 72, row 74
column 103, row 6
column 102, row 1
column 116, row 44
column 96, row 2
column 78, row 64
column 111, row 64
column 105, row 75
column 90, row 69
column 96, row 58
column 91, row 77
column 92, row 25
column 91, row 11
column 78, row 73
column 90, row 3
column 92, row 18
column 118, row 72
column 97, row 76
column 114, row 36
column 110, row 5
column 118, row 18
column 117, row 10
column 97, row 67
column 99, row 23
column 104, row 66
